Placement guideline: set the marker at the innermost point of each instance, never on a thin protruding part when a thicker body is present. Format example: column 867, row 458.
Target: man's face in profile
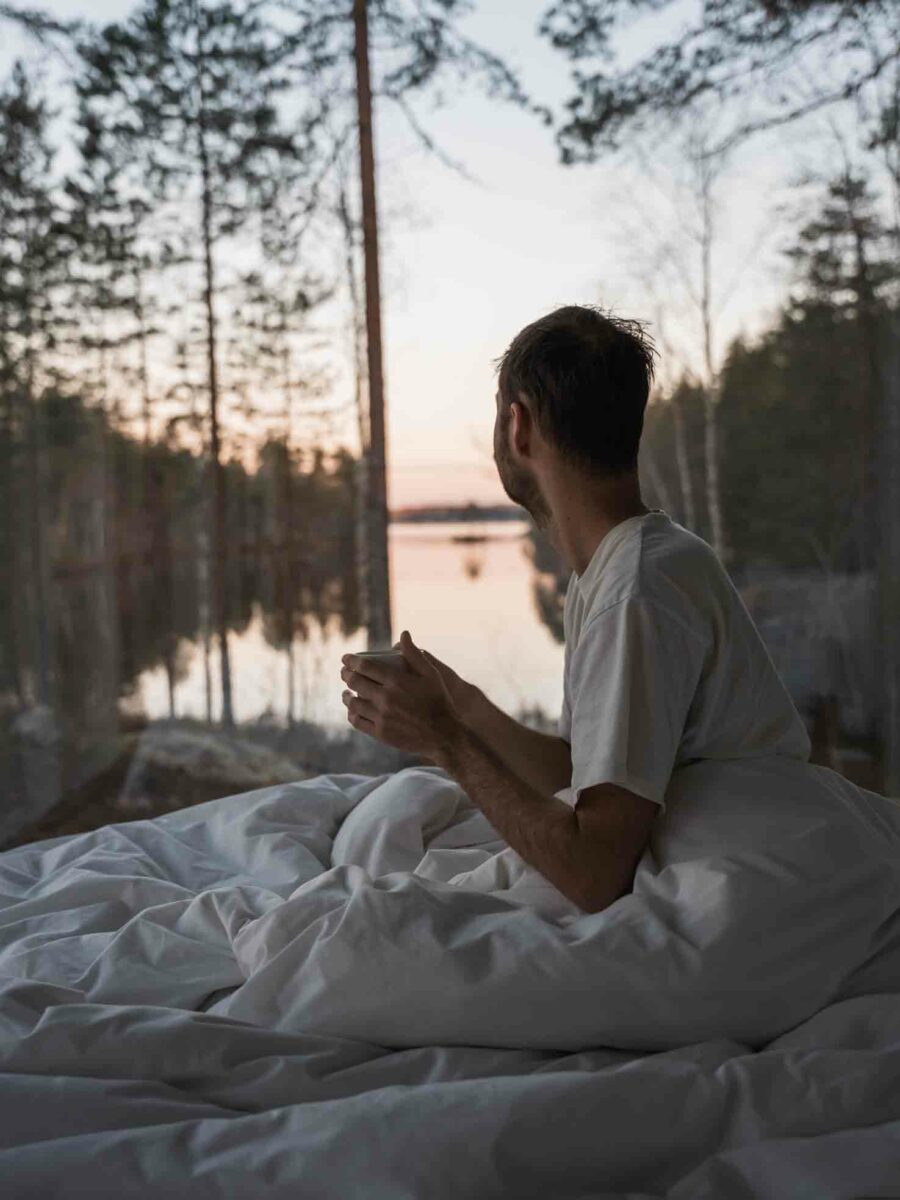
column 519, row 482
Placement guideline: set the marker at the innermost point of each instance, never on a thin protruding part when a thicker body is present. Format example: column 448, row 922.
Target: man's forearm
column 540, row 828
column 542, row 760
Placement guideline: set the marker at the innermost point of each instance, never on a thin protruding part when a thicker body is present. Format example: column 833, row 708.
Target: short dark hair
column 587, row 376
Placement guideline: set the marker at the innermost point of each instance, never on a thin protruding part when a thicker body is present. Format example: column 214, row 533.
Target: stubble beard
column 522, row 488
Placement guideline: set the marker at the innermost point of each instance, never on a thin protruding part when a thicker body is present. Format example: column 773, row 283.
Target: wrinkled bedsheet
column 350, row 986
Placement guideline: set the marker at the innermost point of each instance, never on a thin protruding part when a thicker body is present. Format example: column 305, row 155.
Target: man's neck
column 581, row 518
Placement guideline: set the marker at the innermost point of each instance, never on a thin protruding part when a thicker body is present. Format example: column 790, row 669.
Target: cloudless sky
column 466, row 264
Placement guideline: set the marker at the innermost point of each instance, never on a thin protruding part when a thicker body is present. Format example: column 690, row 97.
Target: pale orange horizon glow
column 419, row 486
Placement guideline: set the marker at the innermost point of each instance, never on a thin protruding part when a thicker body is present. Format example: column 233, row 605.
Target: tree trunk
column 379, row 566
column 289, row 546
column 705, row 180
column 683, row 464
column 889, row 559
column 203, row 588
column 100, row 722
column 219, row 544
column 360, row 473
column 38, row 490
column 171, row 680
column 12, row 498
column 880, row 497
column 867, row 324
column 713, row 487
column 147, row 522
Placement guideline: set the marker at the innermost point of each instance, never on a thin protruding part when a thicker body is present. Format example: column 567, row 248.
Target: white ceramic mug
column 394, row 658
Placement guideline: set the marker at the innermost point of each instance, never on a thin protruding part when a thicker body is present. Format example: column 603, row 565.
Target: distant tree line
column 135, row 598
column 799, row 405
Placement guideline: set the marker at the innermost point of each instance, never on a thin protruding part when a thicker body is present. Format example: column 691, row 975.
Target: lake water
column 470, row 605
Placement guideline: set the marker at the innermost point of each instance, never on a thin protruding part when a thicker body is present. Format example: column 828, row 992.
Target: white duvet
column 283, row 994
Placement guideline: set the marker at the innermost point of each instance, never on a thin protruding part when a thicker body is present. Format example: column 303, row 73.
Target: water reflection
column 133, row 727
column 473, row 609
column 132, row 722
column 472, row 565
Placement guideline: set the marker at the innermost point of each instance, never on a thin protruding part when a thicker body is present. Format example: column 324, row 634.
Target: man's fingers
column 366, row 687
column 369, row 667
column 431, row 658
column 359, row 710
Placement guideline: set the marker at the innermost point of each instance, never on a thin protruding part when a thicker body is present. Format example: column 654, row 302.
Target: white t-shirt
column 663, row 665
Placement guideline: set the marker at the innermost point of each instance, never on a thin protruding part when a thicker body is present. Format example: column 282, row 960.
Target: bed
column 281, row 993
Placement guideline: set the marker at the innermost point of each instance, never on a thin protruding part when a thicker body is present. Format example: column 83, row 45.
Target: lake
column 471, row 605
column 488, row 609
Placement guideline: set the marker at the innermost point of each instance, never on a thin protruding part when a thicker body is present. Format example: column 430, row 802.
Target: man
column 663, row 665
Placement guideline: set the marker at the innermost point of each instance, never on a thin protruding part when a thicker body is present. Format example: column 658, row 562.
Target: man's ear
column 520, row 423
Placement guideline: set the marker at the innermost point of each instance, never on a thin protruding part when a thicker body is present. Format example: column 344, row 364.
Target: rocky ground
column 151, row 768
column 167, row 765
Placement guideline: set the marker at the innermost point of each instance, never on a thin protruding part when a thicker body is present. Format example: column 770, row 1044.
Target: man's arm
column 542, row 760
column 589, row 854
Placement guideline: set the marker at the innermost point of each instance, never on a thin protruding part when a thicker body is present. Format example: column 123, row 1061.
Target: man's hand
column 410, row 710
column 464, row 695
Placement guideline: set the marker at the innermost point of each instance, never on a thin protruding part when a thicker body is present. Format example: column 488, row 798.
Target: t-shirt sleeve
column 634, row 673
column 564, row 725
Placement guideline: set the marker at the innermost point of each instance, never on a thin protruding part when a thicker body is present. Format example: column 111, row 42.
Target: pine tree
column 101, row 233
column 846, row 266
column 279, row 300
column 32, row 277
column 848, row 256
column 191, row 87
column 749, row 57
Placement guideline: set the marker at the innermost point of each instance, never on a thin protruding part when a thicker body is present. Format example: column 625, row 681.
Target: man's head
column 572, row 389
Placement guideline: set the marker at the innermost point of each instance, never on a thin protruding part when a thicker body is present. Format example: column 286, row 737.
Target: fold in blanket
column 251, row 988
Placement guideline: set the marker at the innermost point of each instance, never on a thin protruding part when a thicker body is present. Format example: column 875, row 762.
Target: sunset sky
column 466, row 264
